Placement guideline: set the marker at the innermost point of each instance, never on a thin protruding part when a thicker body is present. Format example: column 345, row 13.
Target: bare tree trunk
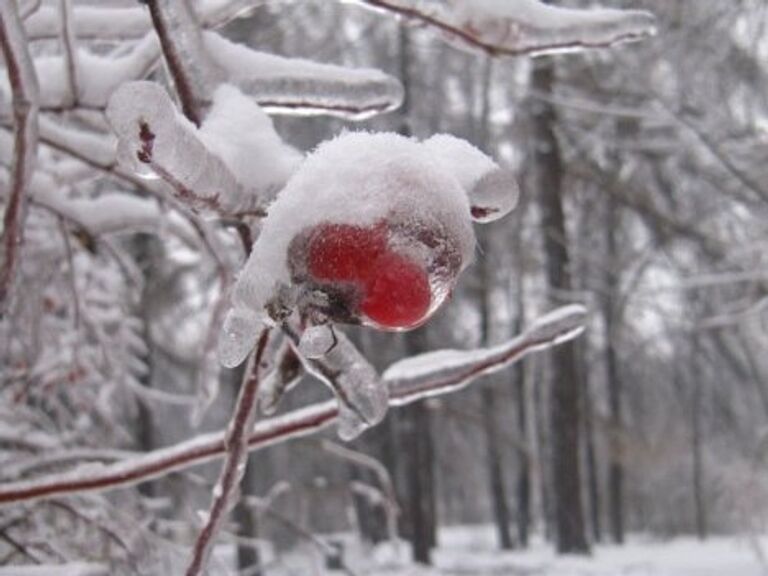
column 625, row 131
column 497, row 485
column 699, row 501
column 501, row 513
column 565, row 402
column 144, row 249
column 524, row 470
column 593, row 486
column 420, row 513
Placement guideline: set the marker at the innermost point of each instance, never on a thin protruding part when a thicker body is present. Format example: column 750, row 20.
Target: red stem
column 23, row 82
column 234, row 465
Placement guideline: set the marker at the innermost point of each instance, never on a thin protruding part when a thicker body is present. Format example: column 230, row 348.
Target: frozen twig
column 70, row 49
column 155, row 140
column 521, row 27
column 188, row 62
column 358, row 387
column 296, row 86
column 236, row 443
column 407, row 381
column 24, row 90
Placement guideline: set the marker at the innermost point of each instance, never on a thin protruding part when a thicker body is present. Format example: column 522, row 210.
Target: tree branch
column 181, row 42
column 234, row 466
column 533, row 28
column 408, row 381
column 24, row 89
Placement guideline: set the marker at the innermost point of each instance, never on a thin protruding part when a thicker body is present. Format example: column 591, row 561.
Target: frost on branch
column 233, row 164
column 98, row 75
column 298, row 86
column 407, row 381
column 514, row 27
column 444, row 371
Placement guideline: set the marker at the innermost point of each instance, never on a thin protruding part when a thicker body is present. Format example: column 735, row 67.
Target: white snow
column 472, row 551
column 238, row 131
column 98, row 75
column 466, row 162
column 492, row 191
column 70, row 569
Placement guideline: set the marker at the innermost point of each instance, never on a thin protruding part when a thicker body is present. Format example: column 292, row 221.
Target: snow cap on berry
column 370, row 182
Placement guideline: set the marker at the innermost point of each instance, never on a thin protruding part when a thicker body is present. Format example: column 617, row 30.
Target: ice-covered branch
column 115, row 23
column 70, row 48
column 359, row 389
column 189, row 64
column 24, row 91
column 156, row 141
column 298, row 86
column 408, row 381
column 445, row 371
column 98, row 75
column 236, row 443
column 511, row 28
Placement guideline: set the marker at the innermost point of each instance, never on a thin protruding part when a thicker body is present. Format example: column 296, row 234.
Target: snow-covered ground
column 470, row 551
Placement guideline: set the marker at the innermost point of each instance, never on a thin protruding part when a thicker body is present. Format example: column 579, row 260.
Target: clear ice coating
column 560, row 325
column 363, row 397
column 237, row 337
column 524, row 26
column 156, row 140
column 494, row 196
column 317, row 341
column 296, row 86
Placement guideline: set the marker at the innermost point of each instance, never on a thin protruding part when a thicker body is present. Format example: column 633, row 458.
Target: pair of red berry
column 394, row 289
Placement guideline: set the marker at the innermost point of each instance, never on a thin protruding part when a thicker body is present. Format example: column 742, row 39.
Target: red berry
column 341, row 252
column 397, row 295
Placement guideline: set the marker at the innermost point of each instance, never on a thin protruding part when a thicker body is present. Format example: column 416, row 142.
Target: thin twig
column 170, row 39
column 24, row 90
column 471, row 37
column 234, row 466
column 70, row 49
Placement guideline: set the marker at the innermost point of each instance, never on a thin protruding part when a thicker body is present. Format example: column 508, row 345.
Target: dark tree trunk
column 699, row 501
column 626, row 129
column 417, row 451
column 565, row 404
column 500, row 507
column 419, row 513
column 592, row 474
column 495, row 473
column 145, row 249
column 524, row 471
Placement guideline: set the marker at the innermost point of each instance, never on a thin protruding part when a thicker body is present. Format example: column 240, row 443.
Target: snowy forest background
column 641, row 199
